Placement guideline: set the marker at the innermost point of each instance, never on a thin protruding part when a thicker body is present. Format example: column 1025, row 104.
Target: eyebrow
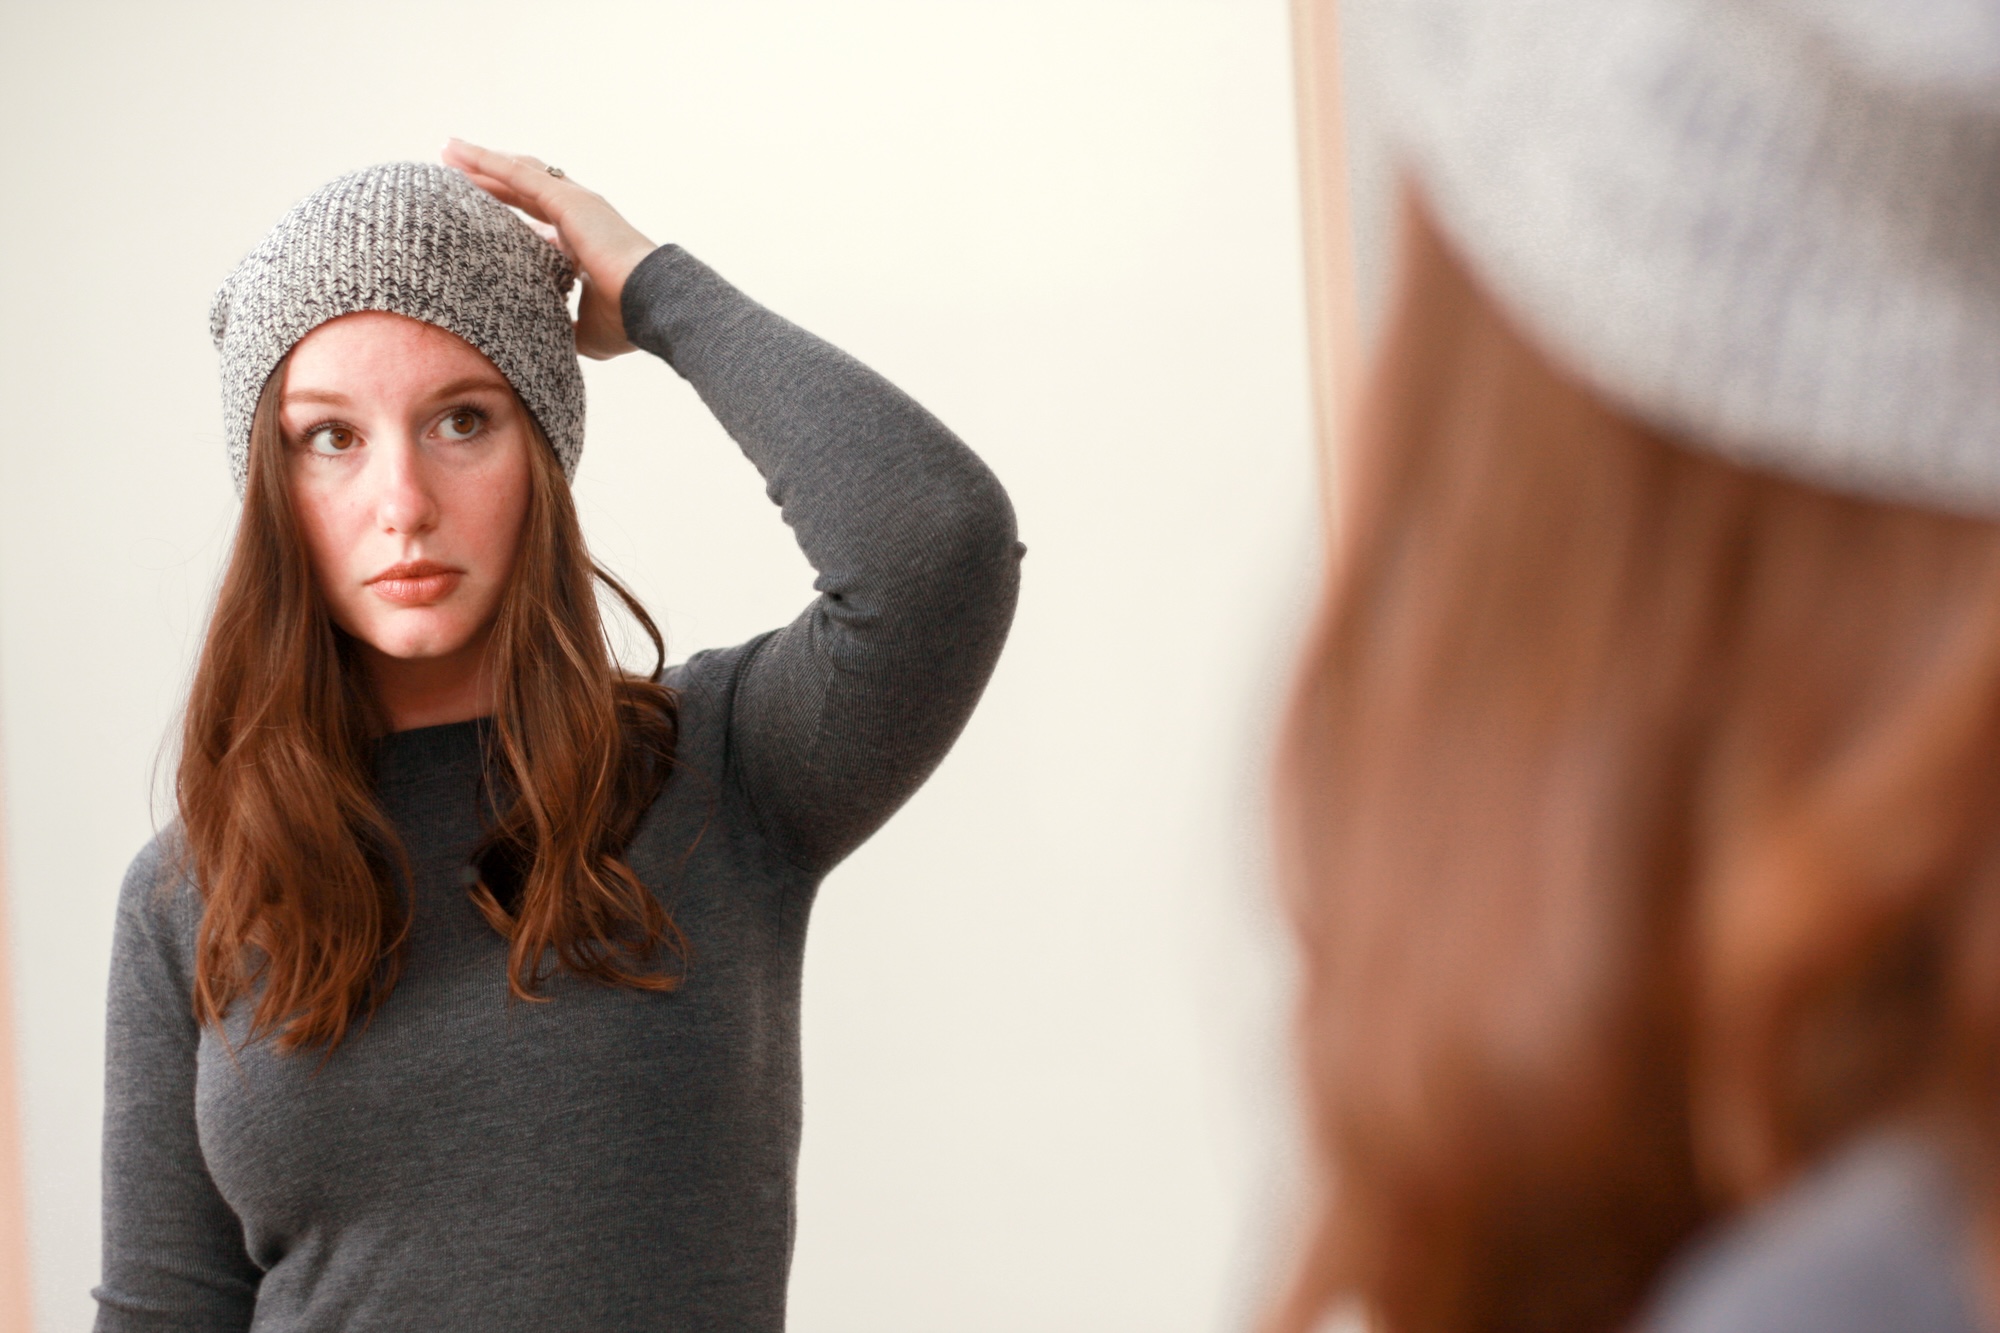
column 335, row 398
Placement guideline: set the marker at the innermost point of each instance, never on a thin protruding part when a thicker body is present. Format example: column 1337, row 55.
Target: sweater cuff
column 669, row 298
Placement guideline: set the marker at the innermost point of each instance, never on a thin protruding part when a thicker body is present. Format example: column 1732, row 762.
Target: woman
column 464, row 992
column 1642, row 796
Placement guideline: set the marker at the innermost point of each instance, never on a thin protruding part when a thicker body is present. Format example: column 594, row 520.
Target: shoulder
column 159, row 899
column 153, row 949
column 1874, row 1240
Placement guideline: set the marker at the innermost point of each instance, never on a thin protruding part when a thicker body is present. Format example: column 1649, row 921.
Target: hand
column 604, row 247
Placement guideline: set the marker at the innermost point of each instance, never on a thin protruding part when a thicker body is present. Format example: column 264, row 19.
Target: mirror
column 1040, row 1014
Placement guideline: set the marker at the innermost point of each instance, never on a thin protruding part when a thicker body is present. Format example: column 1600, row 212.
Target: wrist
column 628, row 259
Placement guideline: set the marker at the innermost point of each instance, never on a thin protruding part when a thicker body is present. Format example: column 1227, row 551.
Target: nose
column 405, row 501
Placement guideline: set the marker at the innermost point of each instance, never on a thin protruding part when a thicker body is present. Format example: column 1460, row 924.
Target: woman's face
column 407, row 459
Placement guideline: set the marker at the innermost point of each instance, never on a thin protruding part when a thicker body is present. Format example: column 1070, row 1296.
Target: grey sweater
column 611, row 1159
column 1876, row 1239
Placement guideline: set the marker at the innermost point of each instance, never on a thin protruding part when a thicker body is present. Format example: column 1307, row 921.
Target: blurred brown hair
column 1641, row 824
column 302, row 877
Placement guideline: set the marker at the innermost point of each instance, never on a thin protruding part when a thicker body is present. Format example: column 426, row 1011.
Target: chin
column 416, row 643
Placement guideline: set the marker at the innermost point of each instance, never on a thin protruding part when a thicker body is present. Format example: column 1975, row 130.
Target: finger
column 506, row 193
column 496, row 187
column 543, row 228
column 528, row 178
column 553, row 236
column 472, row 158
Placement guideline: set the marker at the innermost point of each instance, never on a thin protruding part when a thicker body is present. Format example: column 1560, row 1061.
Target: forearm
column 876, row 488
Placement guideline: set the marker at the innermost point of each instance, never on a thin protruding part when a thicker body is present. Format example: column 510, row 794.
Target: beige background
column 1043, row 1087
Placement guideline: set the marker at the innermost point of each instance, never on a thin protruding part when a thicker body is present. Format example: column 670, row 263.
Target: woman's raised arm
column 840, row 716
column 837, row 718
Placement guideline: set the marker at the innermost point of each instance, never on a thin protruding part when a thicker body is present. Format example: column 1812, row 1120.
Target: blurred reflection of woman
column 1642, row 798
column 464, row 991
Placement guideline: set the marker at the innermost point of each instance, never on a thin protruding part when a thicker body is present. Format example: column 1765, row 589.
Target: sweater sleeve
column 174, row 1255
column 842, row 714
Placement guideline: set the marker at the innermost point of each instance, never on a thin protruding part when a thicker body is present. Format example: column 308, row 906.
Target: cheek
column 498, row 513
column 330, row 534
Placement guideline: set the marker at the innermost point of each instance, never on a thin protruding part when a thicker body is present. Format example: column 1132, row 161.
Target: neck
column 417, row 692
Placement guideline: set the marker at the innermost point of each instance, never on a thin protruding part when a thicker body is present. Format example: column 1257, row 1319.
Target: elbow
column 971, row 538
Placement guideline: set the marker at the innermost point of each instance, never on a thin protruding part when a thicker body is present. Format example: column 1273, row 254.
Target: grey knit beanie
column 413, row 239
column 1767, row 225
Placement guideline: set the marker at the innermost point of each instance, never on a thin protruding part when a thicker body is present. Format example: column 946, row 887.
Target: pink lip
column 416, row 582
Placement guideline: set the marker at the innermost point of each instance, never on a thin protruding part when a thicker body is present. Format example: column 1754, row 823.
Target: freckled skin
column 405, row 444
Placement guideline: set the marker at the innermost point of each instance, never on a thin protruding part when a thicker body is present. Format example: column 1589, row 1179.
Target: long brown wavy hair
column 1640, row 816
column 303, row 880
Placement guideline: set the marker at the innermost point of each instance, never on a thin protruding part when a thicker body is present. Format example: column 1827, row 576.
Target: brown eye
column 460, row 425
column 330, row 440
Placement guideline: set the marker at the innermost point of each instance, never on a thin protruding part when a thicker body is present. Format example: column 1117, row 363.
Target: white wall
column 1042, row 1087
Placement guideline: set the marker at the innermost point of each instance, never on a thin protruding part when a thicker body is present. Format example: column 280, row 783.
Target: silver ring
column 557, row 172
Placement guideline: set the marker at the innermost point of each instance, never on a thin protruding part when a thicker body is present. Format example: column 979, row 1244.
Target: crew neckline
column 401, row 756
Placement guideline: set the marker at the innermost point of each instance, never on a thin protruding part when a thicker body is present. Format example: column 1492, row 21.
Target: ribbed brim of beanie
column 414, row 239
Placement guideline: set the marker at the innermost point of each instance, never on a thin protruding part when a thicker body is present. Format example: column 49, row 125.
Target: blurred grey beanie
column 1770, row 226
column 412, row 239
